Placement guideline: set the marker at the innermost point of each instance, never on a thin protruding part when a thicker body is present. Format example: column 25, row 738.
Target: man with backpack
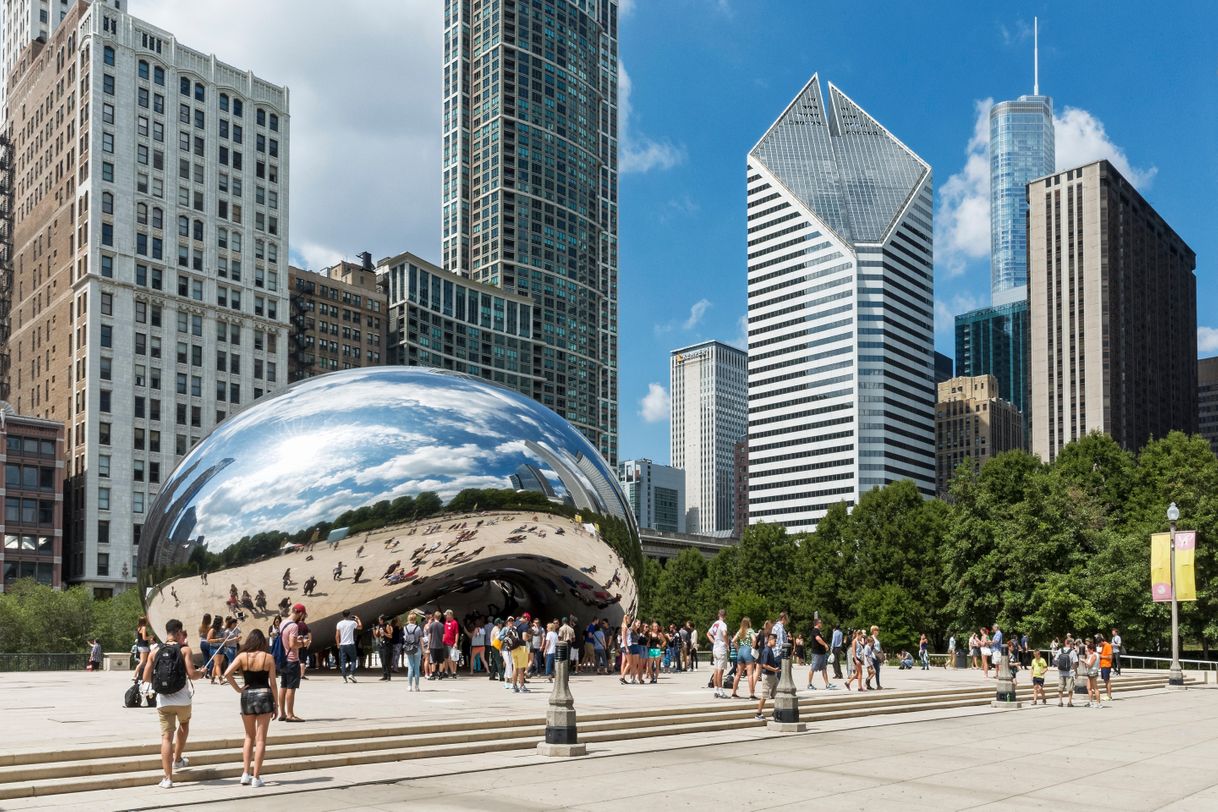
column 169, row 669
column 1067, row 665
column 412, row 647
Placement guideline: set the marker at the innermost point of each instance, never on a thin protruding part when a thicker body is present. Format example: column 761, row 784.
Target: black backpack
column 509, row 638
column 132, row 697
column 168, row 670
column 1064, row 660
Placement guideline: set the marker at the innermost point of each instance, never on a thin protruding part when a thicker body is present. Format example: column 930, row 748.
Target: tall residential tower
column 530, row 185
column 709, row 399
column 840, row 312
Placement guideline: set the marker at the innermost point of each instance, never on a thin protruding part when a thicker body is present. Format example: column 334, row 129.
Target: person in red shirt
column 452, row 631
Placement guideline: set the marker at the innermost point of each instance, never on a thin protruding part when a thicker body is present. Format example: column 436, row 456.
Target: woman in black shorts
column 259, row 698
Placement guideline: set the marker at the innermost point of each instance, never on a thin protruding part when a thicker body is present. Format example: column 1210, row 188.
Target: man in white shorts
column 717, row 635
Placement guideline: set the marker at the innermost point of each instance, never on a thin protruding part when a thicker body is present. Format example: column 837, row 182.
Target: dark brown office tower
column 1113, row 303
column 1207, row 400
column 740, row 462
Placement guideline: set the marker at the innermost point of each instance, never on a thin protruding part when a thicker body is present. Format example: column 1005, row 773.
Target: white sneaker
column 165, row 784
column 181, row 763
column 245, row 779
column 257, row 782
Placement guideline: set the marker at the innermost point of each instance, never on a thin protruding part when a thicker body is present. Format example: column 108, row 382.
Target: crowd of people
column 434, row 645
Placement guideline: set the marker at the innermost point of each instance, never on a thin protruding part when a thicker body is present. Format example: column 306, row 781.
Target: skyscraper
column 972, row 424
column 1207, row 400
column 1113, row 313
column 1021, row 149
column 709, row 401
column 994, row 341
column 529, row 190
column 151, row 227
column 656, row 494
column 840, row 311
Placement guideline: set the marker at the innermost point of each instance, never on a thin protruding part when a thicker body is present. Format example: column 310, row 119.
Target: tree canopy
column 1042, row 549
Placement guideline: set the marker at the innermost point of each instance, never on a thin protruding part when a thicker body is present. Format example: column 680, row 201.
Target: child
column 767, row 662
column 1038, row 667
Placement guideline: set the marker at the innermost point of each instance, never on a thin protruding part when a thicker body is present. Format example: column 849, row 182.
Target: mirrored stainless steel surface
column 386, row 489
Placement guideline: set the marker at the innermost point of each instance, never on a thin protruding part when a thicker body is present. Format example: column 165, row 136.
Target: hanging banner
column 1160, row 567
column 1186, row 547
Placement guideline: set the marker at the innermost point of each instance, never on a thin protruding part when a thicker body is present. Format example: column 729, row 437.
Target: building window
column 107, row 84
column 107, row 54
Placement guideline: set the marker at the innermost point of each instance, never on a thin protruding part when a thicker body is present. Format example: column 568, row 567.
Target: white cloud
column 947, row 310
column 624, row 7
column 742, row 333
column 636, row 151
column 1207, row 339
column 696, row 312
column 655, row 405
column 1081, row 139
column 365, row 113
column 962, row 226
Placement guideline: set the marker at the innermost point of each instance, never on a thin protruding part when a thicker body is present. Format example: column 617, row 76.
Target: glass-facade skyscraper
column 841, row 363
column 1021, row 149
column 529, row 194
column 994, row 341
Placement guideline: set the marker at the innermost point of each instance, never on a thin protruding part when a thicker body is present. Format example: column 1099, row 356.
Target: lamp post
column 1176, row 675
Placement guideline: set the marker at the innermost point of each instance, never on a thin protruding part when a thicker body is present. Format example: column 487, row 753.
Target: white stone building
column 150, row 261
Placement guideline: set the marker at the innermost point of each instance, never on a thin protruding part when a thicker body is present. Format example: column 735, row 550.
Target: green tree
column 677, row 588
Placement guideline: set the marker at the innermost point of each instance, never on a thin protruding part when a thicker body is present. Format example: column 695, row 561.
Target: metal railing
column 1164, row 663
column 43, row 661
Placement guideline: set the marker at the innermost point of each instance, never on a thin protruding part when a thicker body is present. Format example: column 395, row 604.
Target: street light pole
column 1176, row 675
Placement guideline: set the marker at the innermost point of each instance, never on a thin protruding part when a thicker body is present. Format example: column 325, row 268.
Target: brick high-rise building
column 150, row 226
column 972, row 423
column 1113, row 303
column 32, row 451
column 339, row 319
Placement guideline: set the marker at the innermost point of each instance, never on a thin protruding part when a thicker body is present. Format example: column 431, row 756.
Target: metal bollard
column 561, row 739
column 1005, row 697
column 786, row 700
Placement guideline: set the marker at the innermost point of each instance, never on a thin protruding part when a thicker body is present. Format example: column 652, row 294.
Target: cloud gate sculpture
column 386, row 489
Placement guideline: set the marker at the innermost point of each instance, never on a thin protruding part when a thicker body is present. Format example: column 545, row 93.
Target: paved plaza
column 1152, row 749
column 48, row 709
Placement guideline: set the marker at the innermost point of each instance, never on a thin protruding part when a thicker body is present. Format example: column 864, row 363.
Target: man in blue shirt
column 768, row 663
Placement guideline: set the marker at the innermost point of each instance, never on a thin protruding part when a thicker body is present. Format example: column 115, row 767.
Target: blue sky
column 708, row 77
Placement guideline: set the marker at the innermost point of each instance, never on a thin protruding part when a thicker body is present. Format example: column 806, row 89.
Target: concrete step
column 121, row 766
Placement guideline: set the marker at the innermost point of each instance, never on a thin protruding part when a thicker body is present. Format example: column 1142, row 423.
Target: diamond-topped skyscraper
column 840, row 311
column 530, row 185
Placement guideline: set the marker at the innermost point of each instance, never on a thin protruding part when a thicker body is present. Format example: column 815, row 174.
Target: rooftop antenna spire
column 1035, row 57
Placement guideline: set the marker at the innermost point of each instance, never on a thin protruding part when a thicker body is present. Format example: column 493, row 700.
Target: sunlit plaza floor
column 1151, row 750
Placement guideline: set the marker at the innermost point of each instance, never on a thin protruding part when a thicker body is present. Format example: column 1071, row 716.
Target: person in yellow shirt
column 1038, row 666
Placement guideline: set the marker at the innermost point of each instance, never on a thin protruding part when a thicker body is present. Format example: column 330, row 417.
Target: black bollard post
column 561, row 739
column 786, row 700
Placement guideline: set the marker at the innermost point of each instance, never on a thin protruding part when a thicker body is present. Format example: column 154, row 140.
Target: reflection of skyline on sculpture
column 287, row 468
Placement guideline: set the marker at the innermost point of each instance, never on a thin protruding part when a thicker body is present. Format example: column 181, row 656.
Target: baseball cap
column 300, row 607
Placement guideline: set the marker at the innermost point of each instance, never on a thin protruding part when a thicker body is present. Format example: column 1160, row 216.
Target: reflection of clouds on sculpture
column 294, row 463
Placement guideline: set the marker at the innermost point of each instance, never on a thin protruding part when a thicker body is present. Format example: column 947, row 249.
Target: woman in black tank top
column 259, row 698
